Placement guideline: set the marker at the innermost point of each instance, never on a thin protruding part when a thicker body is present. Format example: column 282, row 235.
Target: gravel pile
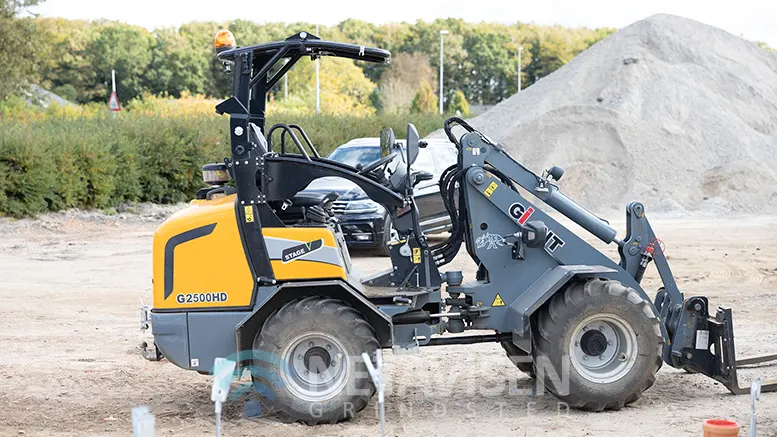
column 60, row 221
column 669, row 111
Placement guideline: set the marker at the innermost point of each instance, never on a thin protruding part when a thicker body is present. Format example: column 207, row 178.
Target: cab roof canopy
column 306, row 44
column 252, row 66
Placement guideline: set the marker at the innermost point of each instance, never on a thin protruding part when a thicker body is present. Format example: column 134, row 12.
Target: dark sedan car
column 365, row 223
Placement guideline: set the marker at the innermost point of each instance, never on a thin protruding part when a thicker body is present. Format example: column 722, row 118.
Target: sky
column 751, row 19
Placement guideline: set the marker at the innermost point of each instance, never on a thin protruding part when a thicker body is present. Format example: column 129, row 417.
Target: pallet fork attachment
column 705, row 344
column 727, row 362
column 698, row 341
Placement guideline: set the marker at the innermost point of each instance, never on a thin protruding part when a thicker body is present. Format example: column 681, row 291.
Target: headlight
column 358, row 202
column 362, row 207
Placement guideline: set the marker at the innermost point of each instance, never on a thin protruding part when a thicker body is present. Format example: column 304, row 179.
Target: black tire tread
column 382, row 249
column 307, row 308
column 565, row 303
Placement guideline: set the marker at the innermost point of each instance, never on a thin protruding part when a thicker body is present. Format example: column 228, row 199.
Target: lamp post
column 318, row 84
column 442, row 32
column 520, row 50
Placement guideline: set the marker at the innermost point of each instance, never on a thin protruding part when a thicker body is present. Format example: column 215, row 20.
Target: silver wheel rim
column 603, row 348
column 315, row 367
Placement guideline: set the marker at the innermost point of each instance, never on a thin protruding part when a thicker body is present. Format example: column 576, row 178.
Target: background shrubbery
column 74, row 154
column 52, row 162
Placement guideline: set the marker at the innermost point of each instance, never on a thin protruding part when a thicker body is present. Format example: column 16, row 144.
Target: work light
column 215, row 175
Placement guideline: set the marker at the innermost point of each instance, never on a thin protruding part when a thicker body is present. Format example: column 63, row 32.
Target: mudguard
column 270, row 299
column 522, row 308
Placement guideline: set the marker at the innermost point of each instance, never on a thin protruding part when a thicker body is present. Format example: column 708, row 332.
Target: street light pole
column 318, row 84
column 520, row 50
column 442, row 32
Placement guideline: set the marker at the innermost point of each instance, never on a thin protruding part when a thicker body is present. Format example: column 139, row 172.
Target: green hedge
column 54, row 164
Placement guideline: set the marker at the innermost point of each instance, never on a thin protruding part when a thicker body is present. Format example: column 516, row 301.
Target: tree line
column 74, row 59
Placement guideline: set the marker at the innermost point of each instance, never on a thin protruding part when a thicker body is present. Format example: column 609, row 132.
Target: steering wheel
column 382, row 162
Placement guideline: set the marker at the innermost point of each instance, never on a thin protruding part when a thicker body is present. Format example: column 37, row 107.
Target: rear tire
column 519, row 358
column 607, row 336
column 307, row 364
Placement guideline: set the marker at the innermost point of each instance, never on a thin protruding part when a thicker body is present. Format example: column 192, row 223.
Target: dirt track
column 69, row 362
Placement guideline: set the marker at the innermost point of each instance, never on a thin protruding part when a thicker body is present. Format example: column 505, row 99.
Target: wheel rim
column 315, row 366
column 603, row 348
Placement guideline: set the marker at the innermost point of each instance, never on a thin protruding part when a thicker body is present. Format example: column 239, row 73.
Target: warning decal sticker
column 490, row 189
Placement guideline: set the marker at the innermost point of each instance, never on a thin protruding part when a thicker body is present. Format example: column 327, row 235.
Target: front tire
column 604, row 339
column 307, row 364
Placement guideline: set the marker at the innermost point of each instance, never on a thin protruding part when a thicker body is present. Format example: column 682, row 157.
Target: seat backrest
column 256, row 136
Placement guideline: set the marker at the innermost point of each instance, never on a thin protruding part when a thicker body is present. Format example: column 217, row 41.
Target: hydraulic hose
column 444, row 252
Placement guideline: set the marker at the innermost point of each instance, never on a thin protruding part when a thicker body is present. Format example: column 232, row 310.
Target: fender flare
column 271, row 299
column 525, row 305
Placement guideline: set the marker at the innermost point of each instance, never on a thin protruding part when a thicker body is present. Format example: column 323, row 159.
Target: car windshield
column 356, row 155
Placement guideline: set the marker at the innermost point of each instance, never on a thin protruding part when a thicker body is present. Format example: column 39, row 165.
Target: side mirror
column 413, row 141
column 387, row 141
column 420, row 176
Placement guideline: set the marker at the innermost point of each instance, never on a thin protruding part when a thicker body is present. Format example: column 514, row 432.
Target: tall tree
column 67, row 64
column 127, row 49
column 481, row 59
column 459, row 104
column 425, row 101
column 19, row 47
column 494, row 67
column 425, row 38
column 175, row 67
column 344, row 89
column 200, row 37
column 400, row 83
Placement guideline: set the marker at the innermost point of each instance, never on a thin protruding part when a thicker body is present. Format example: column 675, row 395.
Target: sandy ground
column 69, row 362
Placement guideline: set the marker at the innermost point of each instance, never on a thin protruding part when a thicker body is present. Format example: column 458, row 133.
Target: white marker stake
column 223, row 369
column 142, row 422
column 380, row 384
column 755, row 395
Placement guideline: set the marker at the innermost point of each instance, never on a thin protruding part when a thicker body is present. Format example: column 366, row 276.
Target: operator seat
column 304, row 207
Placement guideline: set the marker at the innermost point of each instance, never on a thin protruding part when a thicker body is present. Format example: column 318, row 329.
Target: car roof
column 375, row 142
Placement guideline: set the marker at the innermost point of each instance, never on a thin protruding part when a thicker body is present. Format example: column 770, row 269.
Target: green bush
column 100, row 162
column 27, row 173
column 459, row 104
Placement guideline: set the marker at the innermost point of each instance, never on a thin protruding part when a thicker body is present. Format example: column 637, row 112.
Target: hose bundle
column 451, row 181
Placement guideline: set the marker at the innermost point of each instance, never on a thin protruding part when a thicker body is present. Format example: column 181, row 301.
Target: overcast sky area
column 751, row 19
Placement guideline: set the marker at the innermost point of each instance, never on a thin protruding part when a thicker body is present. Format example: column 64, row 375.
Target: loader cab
column 263, row 158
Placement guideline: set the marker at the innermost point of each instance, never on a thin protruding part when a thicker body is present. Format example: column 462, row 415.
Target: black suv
column 365, row 223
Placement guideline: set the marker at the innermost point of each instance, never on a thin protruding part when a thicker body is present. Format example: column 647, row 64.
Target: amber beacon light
column 224, row 40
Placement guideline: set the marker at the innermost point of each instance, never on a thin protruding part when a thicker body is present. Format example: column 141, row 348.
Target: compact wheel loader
column 232, row 280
